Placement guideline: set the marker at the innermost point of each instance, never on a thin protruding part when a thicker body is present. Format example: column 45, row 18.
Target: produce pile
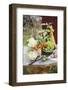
column 43, row 41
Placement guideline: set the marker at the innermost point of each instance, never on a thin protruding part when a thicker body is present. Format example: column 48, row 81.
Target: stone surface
column 27, row 61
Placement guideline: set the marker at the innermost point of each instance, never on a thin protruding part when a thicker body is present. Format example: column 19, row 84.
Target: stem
column 35, row 60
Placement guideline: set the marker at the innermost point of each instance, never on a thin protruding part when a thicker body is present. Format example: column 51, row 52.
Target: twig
column 35, row 60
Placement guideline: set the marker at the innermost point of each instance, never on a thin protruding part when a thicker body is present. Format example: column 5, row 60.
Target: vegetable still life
column 40, row 43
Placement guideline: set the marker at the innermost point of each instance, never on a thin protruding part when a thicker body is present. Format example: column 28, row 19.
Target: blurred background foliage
column 31, row 24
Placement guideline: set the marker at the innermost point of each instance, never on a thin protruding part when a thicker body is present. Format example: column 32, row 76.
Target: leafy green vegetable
column 47, row 30
column 49, row 47
column 50, row 44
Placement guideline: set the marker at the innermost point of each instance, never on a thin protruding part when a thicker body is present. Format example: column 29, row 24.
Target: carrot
column 40, row 46
column 35, row 47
